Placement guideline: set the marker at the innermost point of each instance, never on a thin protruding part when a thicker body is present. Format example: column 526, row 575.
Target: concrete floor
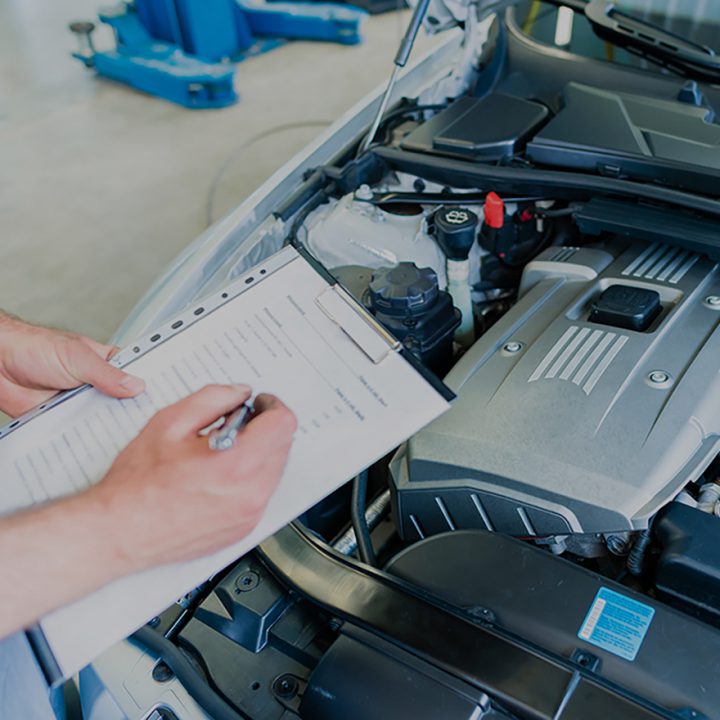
column 101, row 186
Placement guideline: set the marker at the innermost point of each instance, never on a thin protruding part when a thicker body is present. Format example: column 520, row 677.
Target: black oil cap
column 403, row 289
column 455, row 231
column 625, row 306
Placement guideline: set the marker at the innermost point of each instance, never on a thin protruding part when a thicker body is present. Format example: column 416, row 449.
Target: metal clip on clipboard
column 357, row 323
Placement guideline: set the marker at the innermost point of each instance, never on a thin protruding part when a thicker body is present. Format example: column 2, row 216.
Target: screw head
column 482, row 613
column 658, row 377
column 247, row 581
column 286, row 687
column 617, row 544
column 512, row 347
column 713, row 301
column 162, row 673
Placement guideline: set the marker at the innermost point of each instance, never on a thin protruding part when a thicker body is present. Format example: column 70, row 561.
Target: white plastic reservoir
column 351, row 232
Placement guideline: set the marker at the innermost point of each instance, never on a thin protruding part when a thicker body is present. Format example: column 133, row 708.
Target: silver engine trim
column 566, row 426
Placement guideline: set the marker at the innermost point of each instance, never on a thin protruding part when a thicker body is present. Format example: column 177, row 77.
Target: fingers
column 258, row 457
column 18, row 400
column 90, row 365
column 202, row 408
column 265, row 402
column 271, row 427
column 270, row 410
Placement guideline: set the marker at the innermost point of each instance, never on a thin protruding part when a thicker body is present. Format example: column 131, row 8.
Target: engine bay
column 567, row 291
column 583, row 360
column 578, row 329
column 585, row 373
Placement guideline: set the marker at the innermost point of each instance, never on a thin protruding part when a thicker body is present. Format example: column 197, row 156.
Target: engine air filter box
column 489, row 128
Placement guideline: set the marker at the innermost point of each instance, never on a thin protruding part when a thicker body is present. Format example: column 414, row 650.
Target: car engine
column 583, row 360
column 589, row 406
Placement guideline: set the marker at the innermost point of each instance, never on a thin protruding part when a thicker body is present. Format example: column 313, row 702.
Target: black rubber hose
column 636, row 558
column 196, row 686
column 408, row 109
column 316, row 199
column 315, row 182
column 535, row 181
column 423, row 198
column 360, row 526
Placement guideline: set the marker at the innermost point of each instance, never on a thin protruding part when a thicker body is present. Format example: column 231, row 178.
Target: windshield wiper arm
column 647, row 40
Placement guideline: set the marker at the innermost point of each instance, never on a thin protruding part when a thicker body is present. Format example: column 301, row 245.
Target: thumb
column 89, row 367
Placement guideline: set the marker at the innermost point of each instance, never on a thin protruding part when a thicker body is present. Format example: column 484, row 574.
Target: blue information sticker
column 616, row 623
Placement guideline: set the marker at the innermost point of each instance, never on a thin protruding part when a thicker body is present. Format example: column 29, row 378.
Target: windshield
column 695, row 20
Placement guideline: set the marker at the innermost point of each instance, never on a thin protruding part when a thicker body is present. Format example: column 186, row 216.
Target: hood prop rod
column 401, row 58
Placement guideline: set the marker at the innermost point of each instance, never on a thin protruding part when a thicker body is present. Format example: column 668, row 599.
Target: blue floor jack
column 183, row 50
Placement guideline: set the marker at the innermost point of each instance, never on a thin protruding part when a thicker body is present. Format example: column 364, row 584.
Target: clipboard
column 336, row 302
column 356, row 323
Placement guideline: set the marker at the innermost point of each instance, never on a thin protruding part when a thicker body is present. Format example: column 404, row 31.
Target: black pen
column 224, row 437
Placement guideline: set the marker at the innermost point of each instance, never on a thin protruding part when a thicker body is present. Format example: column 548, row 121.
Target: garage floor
column 101, row 186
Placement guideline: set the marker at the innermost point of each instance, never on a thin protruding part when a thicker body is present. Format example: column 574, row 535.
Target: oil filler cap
column 403, row 289
column 625, row 306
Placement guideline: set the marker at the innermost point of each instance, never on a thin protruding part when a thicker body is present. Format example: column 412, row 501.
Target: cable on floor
column 227, row 163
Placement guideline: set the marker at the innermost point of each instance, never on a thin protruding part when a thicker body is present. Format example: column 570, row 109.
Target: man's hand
column 167, row 498
column 37, row 362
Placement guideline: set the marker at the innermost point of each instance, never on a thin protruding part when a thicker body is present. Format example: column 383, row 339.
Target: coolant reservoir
column 350, row 232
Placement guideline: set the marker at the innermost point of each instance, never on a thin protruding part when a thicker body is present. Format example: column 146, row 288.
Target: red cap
column 494, row 211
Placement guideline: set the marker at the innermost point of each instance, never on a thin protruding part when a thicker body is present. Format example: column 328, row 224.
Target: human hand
column 37, row 362
column 168, row 497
